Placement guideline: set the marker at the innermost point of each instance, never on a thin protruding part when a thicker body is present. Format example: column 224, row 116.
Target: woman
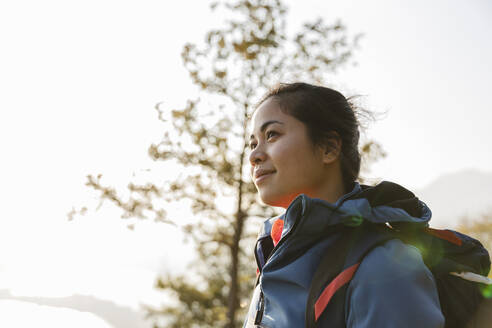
column 304, row 157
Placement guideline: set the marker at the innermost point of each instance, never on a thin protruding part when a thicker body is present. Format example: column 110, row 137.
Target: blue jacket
column 392, row 287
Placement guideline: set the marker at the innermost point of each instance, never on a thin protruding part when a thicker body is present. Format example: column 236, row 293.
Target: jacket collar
column 386, row 202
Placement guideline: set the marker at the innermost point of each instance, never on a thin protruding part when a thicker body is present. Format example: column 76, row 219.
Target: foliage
column 234, row 66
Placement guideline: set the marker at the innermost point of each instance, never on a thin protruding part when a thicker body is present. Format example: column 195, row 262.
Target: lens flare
column 353, row 221
column 487, row 291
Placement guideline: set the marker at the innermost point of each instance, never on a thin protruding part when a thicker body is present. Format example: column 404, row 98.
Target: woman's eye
column 252, row 146
column 271, row 134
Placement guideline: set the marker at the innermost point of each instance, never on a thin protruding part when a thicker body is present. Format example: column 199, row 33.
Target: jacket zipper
column 261, row 303
column 259, row 309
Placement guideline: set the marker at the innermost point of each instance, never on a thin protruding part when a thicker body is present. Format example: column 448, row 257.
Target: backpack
column 458, row 263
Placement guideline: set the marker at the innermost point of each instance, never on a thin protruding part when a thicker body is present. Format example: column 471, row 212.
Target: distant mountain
column 452, row 196
column 117, row 316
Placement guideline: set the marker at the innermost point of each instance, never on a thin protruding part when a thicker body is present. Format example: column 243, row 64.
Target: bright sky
column 79, row 81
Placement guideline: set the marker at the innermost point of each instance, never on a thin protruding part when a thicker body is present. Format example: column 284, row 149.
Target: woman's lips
column 263, row 177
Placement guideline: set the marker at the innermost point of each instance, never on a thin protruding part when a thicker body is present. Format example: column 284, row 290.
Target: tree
column 233, row 68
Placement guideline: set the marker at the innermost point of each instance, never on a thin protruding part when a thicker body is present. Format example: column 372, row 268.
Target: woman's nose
column 257, row 156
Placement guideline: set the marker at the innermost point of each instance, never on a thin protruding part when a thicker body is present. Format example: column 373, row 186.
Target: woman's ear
column 332, row 147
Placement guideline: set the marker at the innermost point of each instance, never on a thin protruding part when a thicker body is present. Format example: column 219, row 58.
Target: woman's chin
column 274, row 200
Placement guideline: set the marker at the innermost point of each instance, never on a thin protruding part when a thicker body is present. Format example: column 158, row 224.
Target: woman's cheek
column 280, row 152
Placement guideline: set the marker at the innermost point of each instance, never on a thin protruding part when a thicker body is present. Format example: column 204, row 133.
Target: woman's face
column 284, row 161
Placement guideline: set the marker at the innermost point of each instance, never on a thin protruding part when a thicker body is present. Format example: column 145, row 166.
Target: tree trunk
column 234, row 290
column 233, row 301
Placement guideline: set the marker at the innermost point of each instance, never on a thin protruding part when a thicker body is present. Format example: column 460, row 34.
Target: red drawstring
column 276, row 232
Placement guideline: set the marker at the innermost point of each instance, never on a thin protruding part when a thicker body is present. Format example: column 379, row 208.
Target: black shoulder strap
column 335, row 269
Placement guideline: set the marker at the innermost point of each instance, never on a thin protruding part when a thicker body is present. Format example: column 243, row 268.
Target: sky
column 79, row 83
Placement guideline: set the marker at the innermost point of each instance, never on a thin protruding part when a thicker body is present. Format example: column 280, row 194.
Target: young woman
column 304, row 157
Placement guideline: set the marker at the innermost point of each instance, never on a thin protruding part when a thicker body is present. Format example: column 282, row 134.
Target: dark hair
column 323, row 110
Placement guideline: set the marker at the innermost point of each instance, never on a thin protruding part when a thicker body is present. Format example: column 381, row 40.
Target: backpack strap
column 336, row 269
